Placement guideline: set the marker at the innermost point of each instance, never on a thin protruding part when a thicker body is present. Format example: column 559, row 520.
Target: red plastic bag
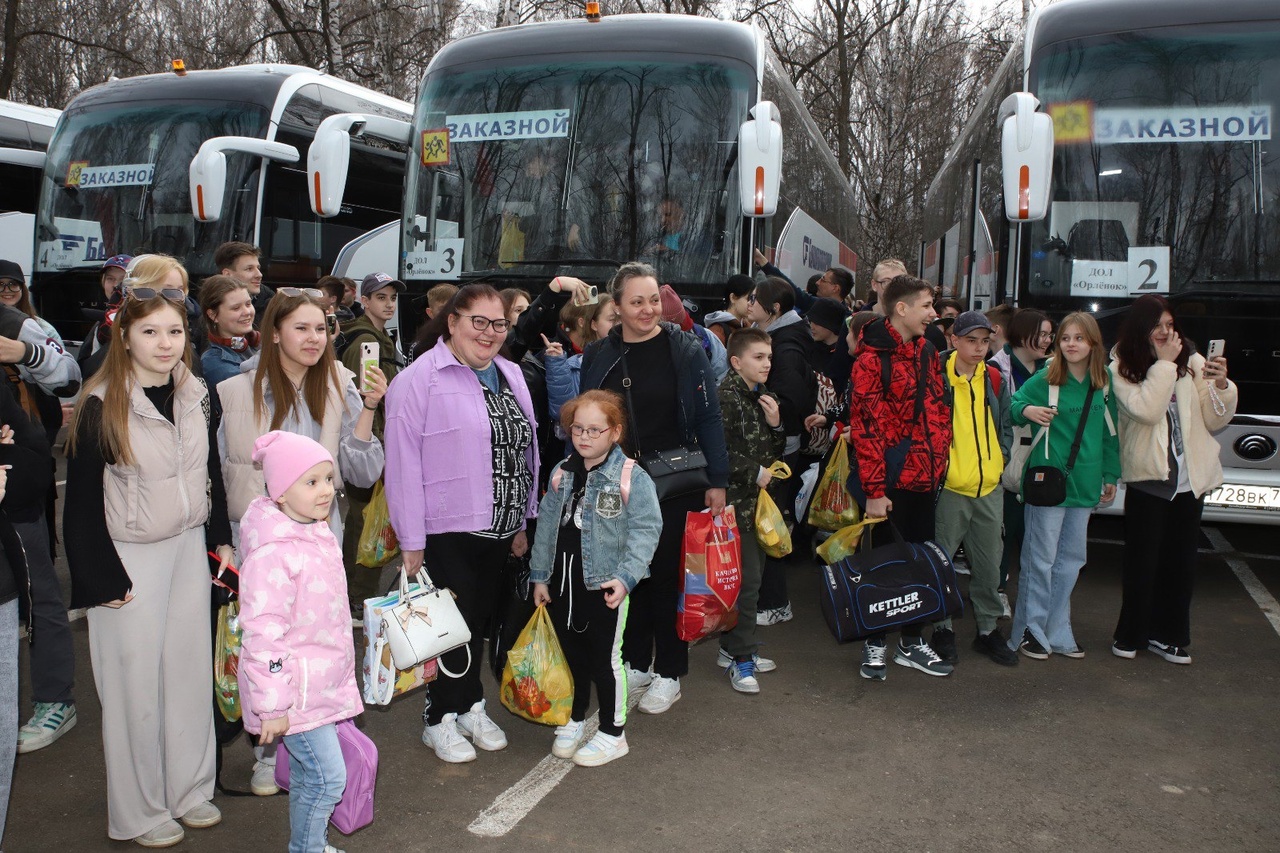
column 710, row 575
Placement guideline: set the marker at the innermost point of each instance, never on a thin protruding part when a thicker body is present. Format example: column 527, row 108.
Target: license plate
column 1245, row 497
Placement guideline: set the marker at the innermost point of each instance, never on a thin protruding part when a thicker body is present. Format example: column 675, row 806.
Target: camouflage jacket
column 751, row 442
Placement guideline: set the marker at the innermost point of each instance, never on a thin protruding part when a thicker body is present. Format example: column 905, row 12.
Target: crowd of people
column 542, row 428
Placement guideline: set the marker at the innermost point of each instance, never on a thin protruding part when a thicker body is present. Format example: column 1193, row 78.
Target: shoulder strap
column 626, row 387
column 1084, row 418
column 555, row 479
column 627, row 467
column 996, row 378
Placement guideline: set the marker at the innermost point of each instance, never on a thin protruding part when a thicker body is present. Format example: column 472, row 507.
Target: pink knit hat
column 286, row 456
column 673, row 308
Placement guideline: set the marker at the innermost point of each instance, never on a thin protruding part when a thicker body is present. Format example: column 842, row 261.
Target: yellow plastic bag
column 833, row 507
column 378, row 542
column 226, row 661
column 536, row 682
column 844, row 541
column 771, row 527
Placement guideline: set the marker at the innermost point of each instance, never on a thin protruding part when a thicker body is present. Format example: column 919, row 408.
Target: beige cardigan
column 1144, row 436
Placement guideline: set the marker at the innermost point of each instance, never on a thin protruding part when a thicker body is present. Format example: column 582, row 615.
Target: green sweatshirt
column 1099, row 459
column 361, row 330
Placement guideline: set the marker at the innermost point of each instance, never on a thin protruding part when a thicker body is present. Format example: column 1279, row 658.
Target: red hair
column 609, row 403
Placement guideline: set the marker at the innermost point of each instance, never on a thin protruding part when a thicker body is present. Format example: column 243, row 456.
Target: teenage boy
column 242, row 261
column 970, row 508
column 754, row 438
column 901, row 435
column 379, row 295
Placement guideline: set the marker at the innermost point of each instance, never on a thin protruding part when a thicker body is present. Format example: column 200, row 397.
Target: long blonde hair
column 116, row 374
column 1058, row 371
column 315, row 385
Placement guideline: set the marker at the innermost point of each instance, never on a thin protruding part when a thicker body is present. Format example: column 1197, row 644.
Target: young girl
column 1053, row 549
column 297, row 665
column 599, row 530
column 139, row 462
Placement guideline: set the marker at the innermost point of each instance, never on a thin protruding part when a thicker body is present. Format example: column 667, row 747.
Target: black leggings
column 590, row 633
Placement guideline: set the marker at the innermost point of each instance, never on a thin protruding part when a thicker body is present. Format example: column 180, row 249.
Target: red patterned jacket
column 882, row 417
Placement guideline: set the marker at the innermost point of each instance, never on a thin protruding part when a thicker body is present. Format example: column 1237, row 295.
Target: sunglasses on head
column 312, row 292
column 142, row 294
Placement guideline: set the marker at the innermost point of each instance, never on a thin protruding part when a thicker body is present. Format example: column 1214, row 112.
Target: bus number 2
column 1149, row 282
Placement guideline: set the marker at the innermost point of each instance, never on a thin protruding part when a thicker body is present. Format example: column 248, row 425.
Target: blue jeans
column 317, row 778
column 1053, row 552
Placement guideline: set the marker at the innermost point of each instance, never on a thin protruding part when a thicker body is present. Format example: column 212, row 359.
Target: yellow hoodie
column 976, row 460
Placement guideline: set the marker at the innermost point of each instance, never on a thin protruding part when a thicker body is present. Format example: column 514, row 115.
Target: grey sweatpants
column 53, row 663
column 153, row 667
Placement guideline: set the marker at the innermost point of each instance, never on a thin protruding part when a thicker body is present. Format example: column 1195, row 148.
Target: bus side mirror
column 208, row 171
column 1026, row 149
column 330, row 155
column 760, row 160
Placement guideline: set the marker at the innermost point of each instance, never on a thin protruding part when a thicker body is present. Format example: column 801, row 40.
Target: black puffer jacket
column 28, row 482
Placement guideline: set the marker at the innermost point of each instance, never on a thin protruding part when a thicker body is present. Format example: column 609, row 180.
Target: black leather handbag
column 1046, row 485
column 675, row 472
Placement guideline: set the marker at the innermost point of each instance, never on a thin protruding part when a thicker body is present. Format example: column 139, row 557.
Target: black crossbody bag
column 675, row 472
column 1046, row 485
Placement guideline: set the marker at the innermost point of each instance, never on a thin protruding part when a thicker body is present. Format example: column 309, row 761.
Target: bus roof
column 46, row 116
column 612, row 35
column 1073, row 19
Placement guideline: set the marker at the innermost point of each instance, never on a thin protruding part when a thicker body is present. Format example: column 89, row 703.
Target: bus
column 24, row 136
column 128, row 156
column 1160, row 176
column 569, row 147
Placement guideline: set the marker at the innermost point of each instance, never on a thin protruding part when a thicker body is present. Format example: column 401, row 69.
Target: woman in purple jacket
column 461, row 464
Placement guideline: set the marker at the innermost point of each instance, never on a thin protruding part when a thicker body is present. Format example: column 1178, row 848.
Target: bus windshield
column 117, row 182
column 1166, row 178
column 560, row 164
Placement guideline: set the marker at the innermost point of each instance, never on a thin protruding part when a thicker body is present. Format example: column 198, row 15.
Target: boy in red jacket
column 901, row 434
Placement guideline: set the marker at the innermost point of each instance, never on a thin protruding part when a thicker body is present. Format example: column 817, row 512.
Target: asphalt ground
column 1092, row 754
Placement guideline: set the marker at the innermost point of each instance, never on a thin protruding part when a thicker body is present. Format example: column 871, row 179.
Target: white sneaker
column 638, row 681
column 166, row 834
column 202, row 816
column 775, row 616
column 477, row 725
column 568, row 738
column 50, row 721
column 1006, row 612
column 329, row 848
column 601, row 749
column 449, row 745
column 263, row 782
column 725, row 660
column 742, row 677
column 660, row 696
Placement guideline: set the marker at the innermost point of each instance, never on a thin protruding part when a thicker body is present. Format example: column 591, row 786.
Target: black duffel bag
column 885, row 588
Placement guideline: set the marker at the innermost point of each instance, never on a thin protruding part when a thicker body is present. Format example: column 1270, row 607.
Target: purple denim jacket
column 439, row 474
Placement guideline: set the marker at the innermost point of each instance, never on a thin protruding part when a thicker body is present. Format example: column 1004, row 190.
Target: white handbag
column 424, row 624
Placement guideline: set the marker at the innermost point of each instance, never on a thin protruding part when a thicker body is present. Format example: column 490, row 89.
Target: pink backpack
column 355, row 809
column 624, row 480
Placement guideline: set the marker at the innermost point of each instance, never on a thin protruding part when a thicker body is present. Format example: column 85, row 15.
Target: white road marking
column 1264, row 599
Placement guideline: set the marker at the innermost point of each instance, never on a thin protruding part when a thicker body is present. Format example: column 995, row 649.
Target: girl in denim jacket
column 599, row 527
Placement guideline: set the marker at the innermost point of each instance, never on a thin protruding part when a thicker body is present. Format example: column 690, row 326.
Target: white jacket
column 1144, row 431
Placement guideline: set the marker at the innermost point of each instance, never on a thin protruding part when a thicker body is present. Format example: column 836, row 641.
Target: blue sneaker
column 742, row 675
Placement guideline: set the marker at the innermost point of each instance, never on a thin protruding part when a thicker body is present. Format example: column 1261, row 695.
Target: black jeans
column 1160, row 541
column 591, row 637
column 773, row 583
column 913, row 515
column 470, row 566
column 650, row 635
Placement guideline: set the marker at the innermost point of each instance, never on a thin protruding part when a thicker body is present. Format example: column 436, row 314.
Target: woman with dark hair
column 461, row 468
column 794, row 382
column 1171, row 400
column 227, row 308
column 665, row 379
column 724, row 323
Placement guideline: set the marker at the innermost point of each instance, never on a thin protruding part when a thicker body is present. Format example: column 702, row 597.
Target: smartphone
column 593, row 296
column 369, row 353
column 1217, row 347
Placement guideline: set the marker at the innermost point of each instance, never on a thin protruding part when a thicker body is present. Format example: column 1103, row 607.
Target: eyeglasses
column 1045, row 336
column 751, row 299
column 173, row 294
column 10, row 286
column 301, row 291
column 579, row 431
column 481, row 323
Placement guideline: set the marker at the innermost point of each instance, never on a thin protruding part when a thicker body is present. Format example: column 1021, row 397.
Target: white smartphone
column 593, row 296
column 369, row 353
column 1217, row 347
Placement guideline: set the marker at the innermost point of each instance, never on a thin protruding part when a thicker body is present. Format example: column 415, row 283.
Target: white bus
column 24, row 136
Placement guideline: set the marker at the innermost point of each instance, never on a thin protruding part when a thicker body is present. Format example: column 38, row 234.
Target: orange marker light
column 318, row 196
column 178, row 67
column 1024, row 192
column 200, row 200
column 593, row 10
column 759, row 190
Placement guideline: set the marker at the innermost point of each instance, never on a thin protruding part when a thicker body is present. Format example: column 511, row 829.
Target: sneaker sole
column 261, row 791
column 45, row 738
column 1127, row 654
column 1181, row 661
column 1072, row 655
column 603, row 759
column 565, row 753
column 161, row 843
column 662, row 710
column 448, row 759
column 874, row 675
column 1033, row 655
column 907, row 662
column 201, row 824
column 745, row 688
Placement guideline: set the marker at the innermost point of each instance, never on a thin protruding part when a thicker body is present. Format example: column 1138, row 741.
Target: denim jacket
column 618, row 537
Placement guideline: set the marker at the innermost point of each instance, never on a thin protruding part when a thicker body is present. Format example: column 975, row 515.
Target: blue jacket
column 563, row 379
column 700, row 423
column 618, row 537
column 220, row 363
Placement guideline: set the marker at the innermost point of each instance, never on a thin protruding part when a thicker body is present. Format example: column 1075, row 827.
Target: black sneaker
column 1121, row 650
column 996, row 647
column 1031, row 647
column 1173, row 654
column 943, row 643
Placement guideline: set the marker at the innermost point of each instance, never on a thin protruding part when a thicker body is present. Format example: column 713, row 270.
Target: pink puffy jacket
column 298, row 656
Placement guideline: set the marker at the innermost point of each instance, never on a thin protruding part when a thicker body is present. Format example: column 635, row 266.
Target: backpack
column 624, row 480
column 1025, row 438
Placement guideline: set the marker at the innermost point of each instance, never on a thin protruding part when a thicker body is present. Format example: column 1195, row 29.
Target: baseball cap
column 121, row 261
column 375, row 281
column 10, row 269
column 970, row 321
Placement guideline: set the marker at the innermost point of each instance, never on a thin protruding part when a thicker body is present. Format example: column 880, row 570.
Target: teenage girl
column 1053, row 548
column 600, row 527
column 297, row 664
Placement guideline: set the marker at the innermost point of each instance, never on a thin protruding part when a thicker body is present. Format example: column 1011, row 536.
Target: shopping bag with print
column 382, row 681
column 226, row 660
column 536, row 682
column 771, row 528
column 378, row 543
column 844, row 541
column 833, row 507
column 710, row 575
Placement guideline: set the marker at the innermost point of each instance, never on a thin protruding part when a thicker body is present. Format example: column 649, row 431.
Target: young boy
column 901, row 434
column 971, row 506
column 754, row 438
